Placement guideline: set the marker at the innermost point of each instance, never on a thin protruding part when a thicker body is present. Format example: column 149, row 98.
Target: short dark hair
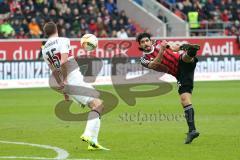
column 50, row 28
column 142, row 35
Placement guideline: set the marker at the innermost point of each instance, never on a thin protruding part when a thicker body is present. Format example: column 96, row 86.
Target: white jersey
column 53, row 49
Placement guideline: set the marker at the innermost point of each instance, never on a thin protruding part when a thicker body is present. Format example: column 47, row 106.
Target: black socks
column 189, row 115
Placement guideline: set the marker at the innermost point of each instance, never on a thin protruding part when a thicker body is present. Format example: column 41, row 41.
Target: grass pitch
column 27, row 115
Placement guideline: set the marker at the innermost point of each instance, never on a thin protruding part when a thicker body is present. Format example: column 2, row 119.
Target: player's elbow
column 55, row 71
column 153, row 65
column 97, row 105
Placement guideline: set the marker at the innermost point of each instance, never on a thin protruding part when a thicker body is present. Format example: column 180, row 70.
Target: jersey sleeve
column 144, row 62
column 65, row 45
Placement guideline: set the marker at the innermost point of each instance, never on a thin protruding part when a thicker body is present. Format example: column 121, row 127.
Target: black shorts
column 185, row 76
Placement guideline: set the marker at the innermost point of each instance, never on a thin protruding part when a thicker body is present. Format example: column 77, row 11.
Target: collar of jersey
column 150, row 51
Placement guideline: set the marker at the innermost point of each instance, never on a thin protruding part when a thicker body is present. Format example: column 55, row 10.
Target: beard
column 148, row 48
column 145, row 49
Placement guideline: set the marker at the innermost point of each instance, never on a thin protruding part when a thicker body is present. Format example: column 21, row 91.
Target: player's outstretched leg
column 191, row 52
column 90, row 134
column 189, row 115
column 190, row 48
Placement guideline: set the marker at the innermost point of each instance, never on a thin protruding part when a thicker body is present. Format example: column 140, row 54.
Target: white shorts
column 80, row 91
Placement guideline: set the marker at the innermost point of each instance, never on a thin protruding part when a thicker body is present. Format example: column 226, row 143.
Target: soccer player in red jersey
column 161, row 56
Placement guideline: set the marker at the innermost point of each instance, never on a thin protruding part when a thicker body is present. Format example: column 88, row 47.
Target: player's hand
column 65, row 82
column 66, row 96
column 174, row 46
column 61, row 86
column 164, row 44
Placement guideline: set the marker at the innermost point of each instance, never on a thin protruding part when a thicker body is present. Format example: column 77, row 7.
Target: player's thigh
column 79, row 90
column 82, row 99
column 185, row 77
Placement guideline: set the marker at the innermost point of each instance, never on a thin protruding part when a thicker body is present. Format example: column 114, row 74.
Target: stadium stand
column 214, row 15
column 25, row 19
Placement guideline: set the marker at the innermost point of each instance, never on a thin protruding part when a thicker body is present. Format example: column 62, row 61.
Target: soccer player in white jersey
column 56, row 53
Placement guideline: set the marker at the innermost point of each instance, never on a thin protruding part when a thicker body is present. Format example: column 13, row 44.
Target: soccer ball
column 89, row 42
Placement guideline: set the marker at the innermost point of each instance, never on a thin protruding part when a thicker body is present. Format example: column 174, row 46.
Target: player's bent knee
column 187, row 59
column 185, row 99
column 96, row 104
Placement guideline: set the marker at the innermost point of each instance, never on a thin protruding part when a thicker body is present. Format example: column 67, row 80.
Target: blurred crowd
column 25, row 18
column 212, row 14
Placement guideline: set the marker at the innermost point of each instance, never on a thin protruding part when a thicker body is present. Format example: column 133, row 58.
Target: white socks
column 93, row 126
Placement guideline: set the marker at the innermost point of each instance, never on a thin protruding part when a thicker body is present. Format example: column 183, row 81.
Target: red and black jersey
column 169, row 62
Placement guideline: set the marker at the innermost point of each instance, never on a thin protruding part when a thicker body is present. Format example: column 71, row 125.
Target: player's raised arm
column 157, row 60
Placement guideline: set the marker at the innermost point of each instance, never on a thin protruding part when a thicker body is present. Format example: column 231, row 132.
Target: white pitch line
column 61, row 153
column 38, row 158
column 77, row 159
column 14, row 157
